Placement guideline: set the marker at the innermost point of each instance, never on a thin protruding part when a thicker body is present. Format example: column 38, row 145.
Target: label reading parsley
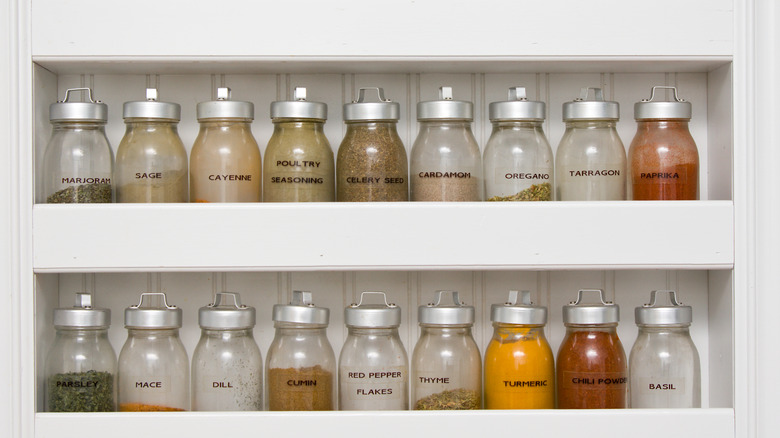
column 91, row 391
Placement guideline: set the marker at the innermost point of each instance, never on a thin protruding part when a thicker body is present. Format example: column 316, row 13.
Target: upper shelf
column 336, row 236
column 384, row 28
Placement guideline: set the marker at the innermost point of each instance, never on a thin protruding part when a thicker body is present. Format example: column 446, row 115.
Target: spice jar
column 590, row 163
column 446, row 164
column 518, row 160
column 663, row 158
column 373, row 366
column 300, row 363
column 446, row 365
column 227, row 368
column 154, row 373
column 81, row 364
column 592, row 368
column 371, row 163
column 78, row 163
column 664, row 364
column 519, row 365
column 298, row 163
column 225, row 160
column 151, row 162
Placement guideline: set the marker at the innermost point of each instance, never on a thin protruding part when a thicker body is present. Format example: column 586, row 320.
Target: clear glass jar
column 151, row 162
column 225, row 161
column 446, row 164
column 81, row 371
column 78, row 163
column 446, row 364
column 371, row 163
column 590, row 163
column 300, row 365
column 663, row 158
column 299, row 165
column 519, row 364
column 154, row 372
column 592, row 370
column 518, row 161
column 665, row 371
column 373, row 365
column 227, row 367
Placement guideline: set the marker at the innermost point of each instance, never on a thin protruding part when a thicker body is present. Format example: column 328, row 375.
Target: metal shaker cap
column 517, row 107
column 381, row 109
column 372, row 315
column 224, row 108
column 445, row 107
column 518, row 309
column 301, row 310
column 82, row 314
column 585, row 108
column 92, row 111
column 153, row 317
column 227, row 312
column 600, row 312
column 655, row 313
column 151, row 108
column 439, row 313
column 655, row 109
column 299, row 107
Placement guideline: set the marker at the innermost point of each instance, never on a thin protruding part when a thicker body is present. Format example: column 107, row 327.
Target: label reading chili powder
column 594, row 381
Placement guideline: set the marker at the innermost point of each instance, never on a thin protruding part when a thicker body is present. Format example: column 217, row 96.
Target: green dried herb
column 537, row 192
column 455, row 399
column 82, row 194
column 92, row 391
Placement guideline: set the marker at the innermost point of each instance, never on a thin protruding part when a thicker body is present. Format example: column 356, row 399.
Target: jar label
column 665, row 384
column 604, row 182
column 678, row 182
column 510, row 385
column 508, row 175
column 215, row 383
column 367, row 388
column 156, row 384
column 594, row 381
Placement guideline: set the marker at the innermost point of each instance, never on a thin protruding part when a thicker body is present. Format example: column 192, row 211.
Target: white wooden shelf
column 408, row 236
column 644, row 423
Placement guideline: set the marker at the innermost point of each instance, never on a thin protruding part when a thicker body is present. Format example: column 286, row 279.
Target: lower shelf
column 635, row 423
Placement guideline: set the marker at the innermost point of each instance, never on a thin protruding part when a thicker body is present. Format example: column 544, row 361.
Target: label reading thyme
column 92, row 391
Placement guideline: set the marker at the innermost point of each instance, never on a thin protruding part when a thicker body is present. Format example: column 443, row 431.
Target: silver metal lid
column 521, row 312
column 151, row 108
column 82, row 314
column 372, row 315
column 584, row 108
column 650, row 109
column 153, row 317
column 601, row 312
column 224, row 108
column 299, row 107
column 445, row 107
column 437, row 313
column 517, row 107
column 382, row 109
column 92, row 111
column 655, row 313
column 301, row 310
column 224, row 314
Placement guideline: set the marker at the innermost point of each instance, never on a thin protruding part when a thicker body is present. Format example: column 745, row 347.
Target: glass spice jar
column 81, row 367
column 664, row 369
column 225, row 161
column 519, row 364
column 590, row 163
column 300, row 365
column 518, row 161
column 663, row 158
column 78, row 163
column 298, row 165
column 446, row 164
column 373, row 365
column 154, row 372
column 446, row 364
column 371, row 163
column 227, row 367
column 151, row 162
column 592, row 370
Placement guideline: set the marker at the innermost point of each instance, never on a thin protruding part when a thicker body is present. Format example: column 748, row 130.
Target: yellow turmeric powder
column 519, row 369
